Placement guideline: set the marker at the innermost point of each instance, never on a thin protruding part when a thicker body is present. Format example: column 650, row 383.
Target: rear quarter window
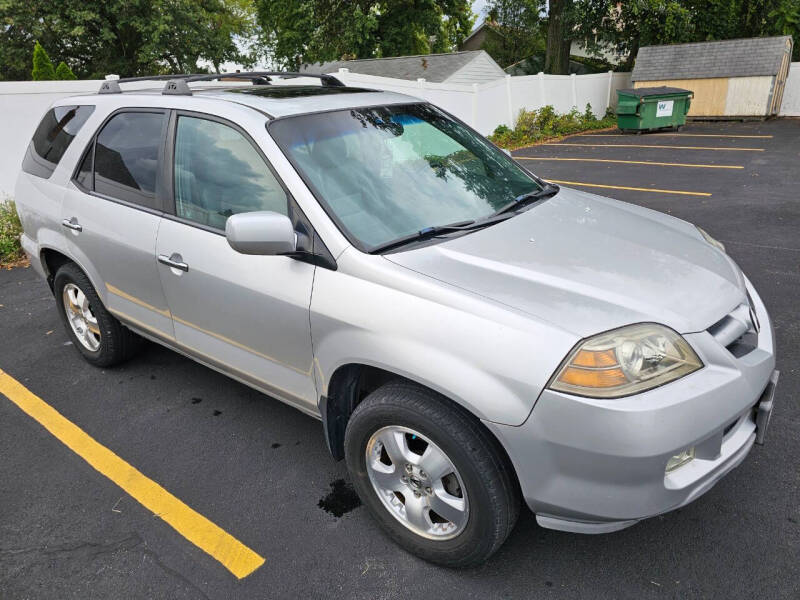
column 52, row 138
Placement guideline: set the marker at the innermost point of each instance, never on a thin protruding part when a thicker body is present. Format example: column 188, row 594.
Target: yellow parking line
column 652, row 146
column 633, row 162
column 635, row 189
column 234, row 556
column 720, row 135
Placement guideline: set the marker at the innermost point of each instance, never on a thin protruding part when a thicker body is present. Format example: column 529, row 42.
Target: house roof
column 730, row 58
column 435, row 68
column 484, row 25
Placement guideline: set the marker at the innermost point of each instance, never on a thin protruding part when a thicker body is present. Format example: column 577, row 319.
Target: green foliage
column 785, row 20
column 63, row 72
column 309, row 31
column 10, row 230
column 545, row 123
column 126, row 37
column 627, row 26
column 515, row 30
column 42, row 66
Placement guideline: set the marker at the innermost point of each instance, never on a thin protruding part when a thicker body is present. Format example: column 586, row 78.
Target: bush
column 10, row 230
column 63, row 72
column 537, row 125
column 42, row 65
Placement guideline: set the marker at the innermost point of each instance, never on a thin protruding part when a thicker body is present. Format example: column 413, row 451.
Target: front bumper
column 595, row 466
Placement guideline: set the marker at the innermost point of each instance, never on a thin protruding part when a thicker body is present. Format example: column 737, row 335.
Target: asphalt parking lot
column 261, row 472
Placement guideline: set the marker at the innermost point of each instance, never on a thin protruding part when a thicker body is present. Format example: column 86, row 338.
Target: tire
column 481, row 474
column 115, row 343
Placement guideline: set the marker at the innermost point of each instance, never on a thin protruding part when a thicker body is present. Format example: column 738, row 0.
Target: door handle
column 72, row 223
column 175, row 261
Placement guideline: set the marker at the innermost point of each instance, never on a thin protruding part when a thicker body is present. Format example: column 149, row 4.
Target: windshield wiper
column 429, row 232
column 549, row 189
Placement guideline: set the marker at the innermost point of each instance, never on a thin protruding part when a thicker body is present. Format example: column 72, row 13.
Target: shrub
column 63, row 72
column 536, row 125
column 10, row 230
column 42, row 66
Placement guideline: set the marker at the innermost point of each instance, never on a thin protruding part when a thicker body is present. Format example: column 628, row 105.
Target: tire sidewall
column 480, row 524
column 69, row 273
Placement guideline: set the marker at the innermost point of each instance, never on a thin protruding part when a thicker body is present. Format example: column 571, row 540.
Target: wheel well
column 53, row 260
column 350, row 384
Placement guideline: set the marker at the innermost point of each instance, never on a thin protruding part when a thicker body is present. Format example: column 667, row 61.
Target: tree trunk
column 632, row 55
column 556, row 59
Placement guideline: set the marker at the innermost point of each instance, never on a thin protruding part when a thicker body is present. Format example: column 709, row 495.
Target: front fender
column 488, row 358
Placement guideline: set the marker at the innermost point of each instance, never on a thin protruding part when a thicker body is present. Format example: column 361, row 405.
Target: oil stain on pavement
column 341, row 499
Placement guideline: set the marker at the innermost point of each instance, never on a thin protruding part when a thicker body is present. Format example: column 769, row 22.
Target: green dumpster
column 647, row 109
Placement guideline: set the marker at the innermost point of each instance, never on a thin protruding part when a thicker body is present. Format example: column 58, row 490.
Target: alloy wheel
column 417, row 483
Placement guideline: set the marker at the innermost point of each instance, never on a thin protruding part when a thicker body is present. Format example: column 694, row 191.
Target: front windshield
column 388, row 172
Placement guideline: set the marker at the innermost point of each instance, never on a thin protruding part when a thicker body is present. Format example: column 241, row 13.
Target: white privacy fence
column 498, row 102
column 484, row 106
column 790, row 107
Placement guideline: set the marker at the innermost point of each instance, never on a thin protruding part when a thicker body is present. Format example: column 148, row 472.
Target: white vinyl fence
column 484, row 106
column 498, row 102
column 791, row 94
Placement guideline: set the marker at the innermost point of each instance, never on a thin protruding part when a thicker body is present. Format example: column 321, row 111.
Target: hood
column 588, row 264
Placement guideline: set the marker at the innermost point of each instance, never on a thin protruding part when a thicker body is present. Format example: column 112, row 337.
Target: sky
column 478, row 9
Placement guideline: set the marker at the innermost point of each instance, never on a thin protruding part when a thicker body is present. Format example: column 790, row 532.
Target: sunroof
column 296, row 91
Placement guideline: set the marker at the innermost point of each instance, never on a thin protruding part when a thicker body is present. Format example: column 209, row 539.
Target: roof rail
column 178, row 84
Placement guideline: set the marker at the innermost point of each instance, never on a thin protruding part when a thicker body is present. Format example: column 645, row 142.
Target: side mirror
column 507, row 151
column 265, row 233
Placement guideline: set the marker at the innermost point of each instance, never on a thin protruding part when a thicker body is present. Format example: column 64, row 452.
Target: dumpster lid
column 654, row 91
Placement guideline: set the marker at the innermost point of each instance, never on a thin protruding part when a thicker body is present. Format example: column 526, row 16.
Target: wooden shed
column 730, row 79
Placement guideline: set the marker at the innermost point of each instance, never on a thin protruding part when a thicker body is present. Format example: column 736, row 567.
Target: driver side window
column 218, row 173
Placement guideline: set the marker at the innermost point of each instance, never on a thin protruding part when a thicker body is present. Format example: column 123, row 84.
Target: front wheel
column 431, row 475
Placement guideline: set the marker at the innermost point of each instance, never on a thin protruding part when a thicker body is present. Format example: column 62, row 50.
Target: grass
column 11, row 253
column 540, row 125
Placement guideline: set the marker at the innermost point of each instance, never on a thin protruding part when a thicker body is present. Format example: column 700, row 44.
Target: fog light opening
column 679, row 460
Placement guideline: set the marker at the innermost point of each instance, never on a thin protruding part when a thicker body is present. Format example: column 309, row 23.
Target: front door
column 248, row 315
column 112, row 213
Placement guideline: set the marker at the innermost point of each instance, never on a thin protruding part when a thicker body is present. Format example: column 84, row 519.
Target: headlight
column 625, row 361
column 716, row 243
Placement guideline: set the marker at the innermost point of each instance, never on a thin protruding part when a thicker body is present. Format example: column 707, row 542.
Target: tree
column 309, row 31
column 126, row 37
column 559, row 36
column 785, row 20
column 515, row 30
column 42, row 66
column 63, row 72
column 627, row 26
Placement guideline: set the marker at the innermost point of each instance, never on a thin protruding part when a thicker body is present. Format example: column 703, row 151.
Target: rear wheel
column 97, row 334
column 431, row 475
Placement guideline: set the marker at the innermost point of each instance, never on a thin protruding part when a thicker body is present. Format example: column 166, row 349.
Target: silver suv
column 468, row 334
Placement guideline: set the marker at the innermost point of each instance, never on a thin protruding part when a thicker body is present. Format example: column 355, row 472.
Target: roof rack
column 179, row 84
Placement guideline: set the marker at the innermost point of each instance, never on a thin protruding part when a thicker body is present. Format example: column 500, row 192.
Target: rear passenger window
column 218, row 173
column 52, row 138
column 126, row 157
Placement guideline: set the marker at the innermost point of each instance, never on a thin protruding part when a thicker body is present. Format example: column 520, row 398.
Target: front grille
column 736, row 331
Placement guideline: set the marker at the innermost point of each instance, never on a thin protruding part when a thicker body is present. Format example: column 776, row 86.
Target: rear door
column 248, row 315
column 112, row 214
